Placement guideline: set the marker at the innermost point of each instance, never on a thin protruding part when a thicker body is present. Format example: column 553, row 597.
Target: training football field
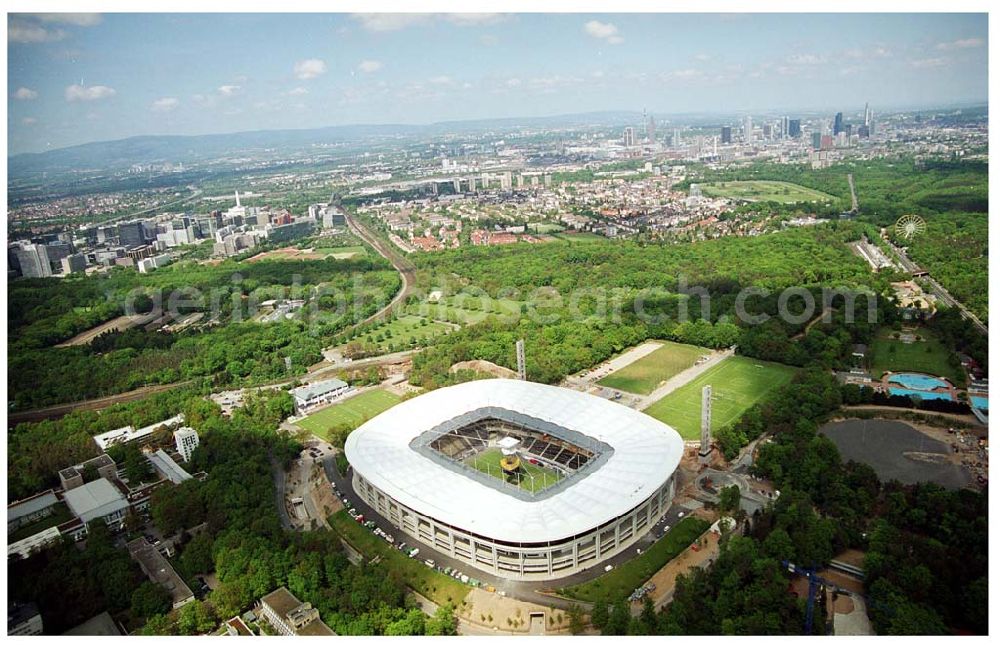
column 535, row 478
column 644, row 375
column 351, row 412
column 737, row 384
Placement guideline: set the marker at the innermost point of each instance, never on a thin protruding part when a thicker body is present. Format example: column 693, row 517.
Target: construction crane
column 814, row 582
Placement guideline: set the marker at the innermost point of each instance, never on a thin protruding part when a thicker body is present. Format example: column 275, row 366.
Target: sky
column 75, row 78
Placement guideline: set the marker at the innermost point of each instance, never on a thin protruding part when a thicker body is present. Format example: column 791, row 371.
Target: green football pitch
column 643, row 376
column 350, row 413
column 737, row 384
column 535, row 478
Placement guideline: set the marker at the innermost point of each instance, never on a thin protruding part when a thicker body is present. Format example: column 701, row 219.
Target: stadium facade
column 596, row 475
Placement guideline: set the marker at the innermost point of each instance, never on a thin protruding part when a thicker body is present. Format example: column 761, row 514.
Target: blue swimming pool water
column 982, row 403
column 923, row 394
column 916, row 381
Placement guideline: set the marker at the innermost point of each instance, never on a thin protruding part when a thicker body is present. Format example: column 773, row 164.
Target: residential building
column 23, row 619
column 291, row 617
column 72, row 477
column 129, row 434
column 33, row 260
column 167, row 468
column 186, row 441
column 159, row 571
column 74, row 263
column 100, row 626
column 27, row 511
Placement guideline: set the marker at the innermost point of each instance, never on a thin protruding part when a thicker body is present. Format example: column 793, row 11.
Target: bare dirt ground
column 117, row 324
column 666, row 578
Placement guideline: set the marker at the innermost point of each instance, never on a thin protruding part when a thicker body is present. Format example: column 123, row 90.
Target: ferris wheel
column 909, row 226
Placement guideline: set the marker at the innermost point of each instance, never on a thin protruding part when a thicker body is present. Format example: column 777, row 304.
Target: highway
column 940, row 292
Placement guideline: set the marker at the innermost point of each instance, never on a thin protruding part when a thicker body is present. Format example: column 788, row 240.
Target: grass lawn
column 403, row 333
column 737, row 384
column 929, row 355
column 60, row 514
column 350, row 413
column 643, row 376
column 468, row 310
column 765, row 191
column 619, row 583
column 437, row 587
column 545, row 227
column 583, row 236
column 535, row 479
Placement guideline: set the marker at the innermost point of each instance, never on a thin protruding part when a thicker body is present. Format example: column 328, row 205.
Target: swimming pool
column 982, row 403
column 916, row 381
column 922, row 394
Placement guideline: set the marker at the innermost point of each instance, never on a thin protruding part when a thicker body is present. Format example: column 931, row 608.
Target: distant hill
column 147, row 149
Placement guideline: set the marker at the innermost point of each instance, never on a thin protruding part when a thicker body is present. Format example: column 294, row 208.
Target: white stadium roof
column 645, row 452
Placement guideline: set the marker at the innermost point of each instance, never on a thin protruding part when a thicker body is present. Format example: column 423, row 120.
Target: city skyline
column 190, row 74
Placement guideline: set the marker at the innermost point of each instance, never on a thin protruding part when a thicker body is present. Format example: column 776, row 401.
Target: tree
column 150, row 599
column 443, row 622
column 729, row 499
column 159, row 625
column 599, row 615
column 196, row 618
column 576, row 624
column 619, row 620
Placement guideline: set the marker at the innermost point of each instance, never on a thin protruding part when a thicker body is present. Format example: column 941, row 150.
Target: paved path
column 967, row 419
column 683, row 377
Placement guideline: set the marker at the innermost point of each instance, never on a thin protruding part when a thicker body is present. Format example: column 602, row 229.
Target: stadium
column 518, row 479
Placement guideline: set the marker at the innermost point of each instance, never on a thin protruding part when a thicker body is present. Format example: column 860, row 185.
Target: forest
column 244, row 544
column 235, row 350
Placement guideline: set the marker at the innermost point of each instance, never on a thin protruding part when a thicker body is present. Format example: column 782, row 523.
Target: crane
column 814, row 582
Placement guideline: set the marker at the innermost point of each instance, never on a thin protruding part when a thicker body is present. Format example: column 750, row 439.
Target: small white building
column 315, row 394
column 186, row 441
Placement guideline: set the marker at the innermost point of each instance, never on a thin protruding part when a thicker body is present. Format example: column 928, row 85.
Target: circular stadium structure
column 522, row 480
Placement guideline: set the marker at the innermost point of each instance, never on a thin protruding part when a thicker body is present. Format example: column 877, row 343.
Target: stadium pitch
column 534, row 478
column 350, row 413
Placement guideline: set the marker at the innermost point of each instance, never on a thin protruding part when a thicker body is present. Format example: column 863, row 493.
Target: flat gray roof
column 317, row 389
column 95, row 500
column 31, row 505
column 167, row 467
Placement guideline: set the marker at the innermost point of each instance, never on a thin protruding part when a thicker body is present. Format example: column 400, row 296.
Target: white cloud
column 488, row 40
column 29, row 121
column 963, row 43
column 229, row 90
column 21, row 32
column 389, row 21
column 310, row 68
column 513, row 82
column 806, row 59
column 928, row 63
column 369, row 66
column 382, row 22
column 165, row 104
column 77, row 19
column 472, row 19
column 298, row 91
column 702, row 57
column 25, row 94
column 92, row 93
column 603, row 31
column 440, row 80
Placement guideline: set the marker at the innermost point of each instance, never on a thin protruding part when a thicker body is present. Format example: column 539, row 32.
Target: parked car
column 413, row 552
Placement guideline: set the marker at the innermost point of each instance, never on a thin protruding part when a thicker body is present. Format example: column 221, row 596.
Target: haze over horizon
column 78, row 78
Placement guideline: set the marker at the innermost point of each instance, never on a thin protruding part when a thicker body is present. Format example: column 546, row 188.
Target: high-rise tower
column 706, row 424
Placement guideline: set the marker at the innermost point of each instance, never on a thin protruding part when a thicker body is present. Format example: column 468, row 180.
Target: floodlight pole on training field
column 705, row 452
column 522, row 373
